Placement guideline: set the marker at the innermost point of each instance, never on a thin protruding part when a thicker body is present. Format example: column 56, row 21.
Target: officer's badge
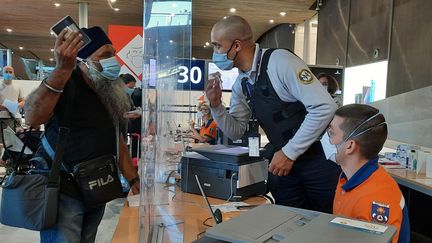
column 380, row 212
column 305, row 76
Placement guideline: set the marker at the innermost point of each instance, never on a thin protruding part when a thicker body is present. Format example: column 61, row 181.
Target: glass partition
column 169, row 76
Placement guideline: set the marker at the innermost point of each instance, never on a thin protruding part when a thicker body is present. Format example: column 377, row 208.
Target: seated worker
column 332, row 87
column 365, row 190
column 208, row 130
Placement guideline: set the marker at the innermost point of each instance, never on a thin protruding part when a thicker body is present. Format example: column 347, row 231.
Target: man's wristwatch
column 133, row 181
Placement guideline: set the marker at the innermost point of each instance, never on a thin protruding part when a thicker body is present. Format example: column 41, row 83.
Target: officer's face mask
column 331, row 150
column 222, row 61
column 110, row 67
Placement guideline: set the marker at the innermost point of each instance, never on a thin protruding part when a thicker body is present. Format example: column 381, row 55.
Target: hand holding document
column 11, row 106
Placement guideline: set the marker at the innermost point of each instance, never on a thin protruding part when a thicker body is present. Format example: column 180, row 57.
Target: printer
column 225, row 172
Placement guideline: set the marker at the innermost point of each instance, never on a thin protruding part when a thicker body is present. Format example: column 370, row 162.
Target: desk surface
column 189, row 208
column 193, row 210
column 409, row 178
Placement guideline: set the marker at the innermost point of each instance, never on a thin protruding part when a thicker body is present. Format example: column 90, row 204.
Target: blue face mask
column 129, row 91
column 110, row 68
column 7, row 76
column 221, row 60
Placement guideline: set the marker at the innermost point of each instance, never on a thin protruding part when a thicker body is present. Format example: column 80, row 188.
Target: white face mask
column 330, row 150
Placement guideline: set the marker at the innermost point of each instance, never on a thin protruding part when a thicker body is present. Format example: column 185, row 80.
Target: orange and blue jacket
column 371, row 194
column 209, row 130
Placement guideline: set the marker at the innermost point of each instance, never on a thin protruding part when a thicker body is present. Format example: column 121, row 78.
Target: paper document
column 229, row 207
column 361, row 225
column 11, row 106
column 234, row 150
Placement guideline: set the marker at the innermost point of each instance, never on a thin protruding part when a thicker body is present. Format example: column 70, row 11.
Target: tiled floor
column 105, row 231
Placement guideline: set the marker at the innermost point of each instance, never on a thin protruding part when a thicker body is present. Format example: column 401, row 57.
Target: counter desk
column 191, row 209
column 417, row 191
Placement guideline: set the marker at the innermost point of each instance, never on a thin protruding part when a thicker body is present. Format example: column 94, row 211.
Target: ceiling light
column 207, row 44
column 271, row 21
column 113, row 1
column 193, row 58
column 171, row 41
column 52, row 50
column 21, row 48
column 57, row 5
column 116, row 9
column 51, row 59
column 233, row 10
column 51, row 32
column 9, row 30
column 225, row 17
column 282, row 14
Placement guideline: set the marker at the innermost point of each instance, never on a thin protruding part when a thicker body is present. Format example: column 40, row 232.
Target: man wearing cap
column 9, row 92
column 97, row 108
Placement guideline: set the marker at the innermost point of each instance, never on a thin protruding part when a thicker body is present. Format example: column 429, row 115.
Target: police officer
column 276, row 89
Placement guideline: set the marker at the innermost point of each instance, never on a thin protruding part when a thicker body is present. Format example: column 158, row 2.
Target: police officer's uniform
column 293, row 109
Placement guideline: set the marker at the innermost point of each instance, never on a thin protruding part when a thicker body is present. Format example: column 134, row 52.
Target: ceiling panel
column 31, row 19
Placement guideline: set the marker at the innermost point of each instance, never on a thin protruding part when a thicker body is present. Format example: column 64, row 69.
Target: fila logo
column 100, row 182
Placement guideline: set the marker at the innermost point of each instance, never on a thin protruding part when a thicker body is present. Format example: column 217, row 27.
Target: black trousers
column 311, row 184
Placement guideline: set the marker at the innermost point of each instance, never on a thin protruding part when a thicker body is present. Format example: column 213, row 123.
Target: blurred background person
column 332, row 86
column 129, row 81
column 12, row 95
column 134, row 116
column 208, row 131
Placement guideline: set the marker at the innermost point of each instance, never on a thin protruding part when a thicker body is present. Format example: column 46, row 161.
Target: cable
column 269, row 198
column 205, row 222
column 231, row 187
column 199, row 235
column 166, row 187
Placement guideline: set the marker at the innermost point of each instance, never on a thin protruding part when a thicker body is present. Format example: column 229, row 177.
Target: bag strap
column 23, row 148
column 64, row 130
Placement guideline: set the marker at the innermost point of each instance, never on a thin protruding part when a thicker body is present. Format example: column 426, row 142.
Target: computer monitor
column 217, row 214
